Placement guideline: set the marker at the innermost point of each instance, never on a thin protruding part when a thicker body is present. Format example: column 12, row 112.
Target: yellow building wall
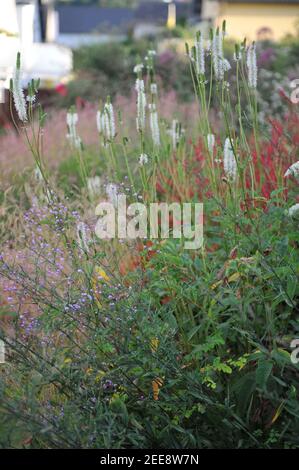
column 245, row 20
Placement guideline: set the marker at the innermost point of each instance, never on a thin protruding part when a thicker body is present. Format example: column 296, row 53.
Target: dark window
column 197, row 7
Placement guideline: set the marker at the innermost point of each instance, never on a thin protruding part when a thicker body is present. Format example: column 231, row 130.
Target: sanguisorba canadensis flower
column 141, row 104
column 154, row 124
column 293, row 170
column 294, row 210
column 138, row 68
column 199, row 54
column 143, row 159
column 109, row 120
column 31, row 99
column 18, row 93
column 217, row 54
column 100, row 120
column 72, row 121
column 252, row 65
column 220, row 64
column 229, row 160
column 106, row 122
column 211, row 143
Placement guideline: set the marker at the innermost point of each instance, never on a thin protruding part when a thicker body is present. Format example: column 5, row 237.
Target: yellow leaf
column 156, row 385
column 99, row 376
column 278, row 412
column 234, row 277
column 94, row 283
column 114, row 398
column 216, row 284
column 154, row 343
column 101, row 274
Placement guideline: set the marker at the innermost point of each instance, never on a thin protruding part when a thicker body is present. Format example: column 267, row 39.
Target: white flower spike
column 294, row 210
column 141, row 105
column 229, row 160
column 293, row 170
column 211, row 143
column 18, row 93
column 154, row 124
column 143, row 159
column 72, row 120
column 199, row 55
column 252, row 66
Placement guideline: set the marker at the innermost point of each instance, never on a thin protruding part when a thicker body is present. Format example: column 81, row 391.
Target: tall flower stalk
column 75, row 141
column 229, row 160
column 141, row 104
column 29, row 117
column 109, row 121
column 252, row 66
column 252, row 94
column 199, row 54
column 105, row 121
column 72, row 136
column 18, row 92
column 217, row 54
column 154, row 124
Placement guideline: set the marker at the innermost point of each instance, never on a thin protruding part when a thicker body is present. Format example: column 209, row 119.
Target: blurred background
column 84, row 50
column 56, row 37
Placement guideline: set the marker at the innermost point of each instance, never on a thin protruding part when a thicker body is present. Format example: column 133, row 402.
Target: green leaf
column 263, row 372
